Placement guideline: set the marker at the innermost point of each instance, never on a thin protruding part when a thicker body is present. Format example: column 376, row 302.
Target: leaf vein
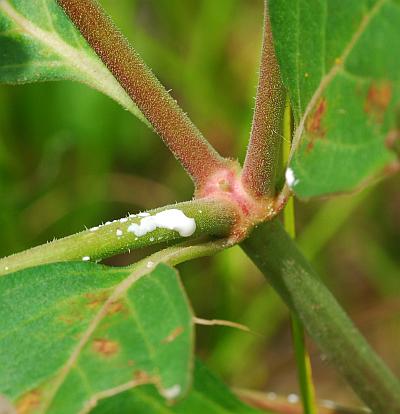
column 326, row 80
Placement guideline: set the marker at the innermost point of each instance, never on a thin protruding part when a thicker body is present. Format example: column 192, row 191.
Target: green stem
column 278, row 257
column 303, row 362
column 212, row 218
column 261, row 161
column 176, row 129
column 304, row 371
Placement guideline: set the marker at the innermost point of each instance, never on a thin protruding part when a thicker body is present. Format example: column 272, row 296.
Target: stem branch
column 212, row 218
column 176, row 129
column 261, row 161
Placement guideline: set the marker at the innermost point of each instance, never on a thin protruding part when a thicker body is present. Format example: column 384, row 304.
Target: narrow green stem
column 184, row 252
column 264, row 147
column 304, row 371
column 278, row 257
column 176, row 129
column 302, row 357
column 211, row 218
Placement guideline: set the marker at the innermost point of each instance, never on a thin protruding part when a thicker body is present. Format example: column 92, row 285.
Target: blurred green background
column 70, row 158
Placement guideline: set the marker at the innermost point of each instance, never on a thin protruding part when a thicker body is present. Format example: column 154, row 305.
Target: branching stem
column 212, row 218
column 263, row 152
column 169, row 121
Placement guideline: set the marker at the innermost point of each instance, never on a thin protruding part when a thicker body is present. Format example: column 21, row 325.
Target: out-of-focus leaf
column 208, row 395
column 70, row 331
column 339, row 62
column 39, row 43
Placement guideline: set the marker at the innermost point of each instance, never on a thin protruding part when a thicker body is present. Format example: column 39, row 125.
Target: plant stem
column 212, row 218
column 176, row 129
column 278, row 257
column 263, row 151
column 303, row 362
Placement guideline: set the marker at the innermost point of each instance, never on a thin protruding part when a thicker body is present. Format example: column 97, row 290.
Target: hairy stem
column 278, row 257
column 212, row 218
column 262, row 154
column 169, row 121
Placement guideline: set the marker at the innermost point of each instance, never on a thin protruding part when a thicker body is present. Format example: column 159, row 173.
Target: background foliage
column 70, row 156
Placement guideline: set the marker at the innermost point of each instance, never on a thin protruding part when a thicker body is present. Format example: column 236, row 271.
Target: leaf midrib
column 116, row 293
column 91, row 69
column 81, row 62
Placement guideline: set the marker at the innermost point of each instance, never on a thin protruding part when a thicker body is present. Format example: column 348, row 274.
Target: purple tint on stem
column 182, row 137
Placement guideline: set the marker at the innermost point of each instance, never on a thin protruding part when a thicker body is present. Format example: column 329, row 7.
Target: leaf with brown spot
column 28, row 402
column 208, row 396
column 66, row 340
column 116, row 307
column 377, row 100
column 95, row 300
column 314, row 123
column 350, row 94
column 173, row 335
column 105, row 347
column 393, row 141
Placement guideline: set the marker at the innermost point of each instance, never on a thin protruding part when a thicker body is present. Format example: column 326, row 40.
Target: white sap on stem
column 172, row 219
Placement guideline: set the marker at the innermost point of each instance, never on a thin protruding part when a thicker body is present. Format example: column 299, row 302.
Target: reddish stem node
column 226, row 185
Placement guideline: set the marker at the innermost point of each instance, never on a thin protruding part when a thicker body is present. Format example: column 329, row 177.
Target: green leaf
column 340, row 66
column 208, row 395
column 39, row 43
column 71, row 331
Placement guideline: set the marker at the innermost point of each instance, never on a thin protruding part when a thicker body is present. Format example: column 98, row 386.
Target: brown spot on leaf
column 115, row 307
column 314, row 125
column 28, row 402
column 68, row 319
column 392, row 168
column 94, row 300
column 105, row 347
column 141, row 376
column 173, row 335
column 392, row 140
column 378, row 99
